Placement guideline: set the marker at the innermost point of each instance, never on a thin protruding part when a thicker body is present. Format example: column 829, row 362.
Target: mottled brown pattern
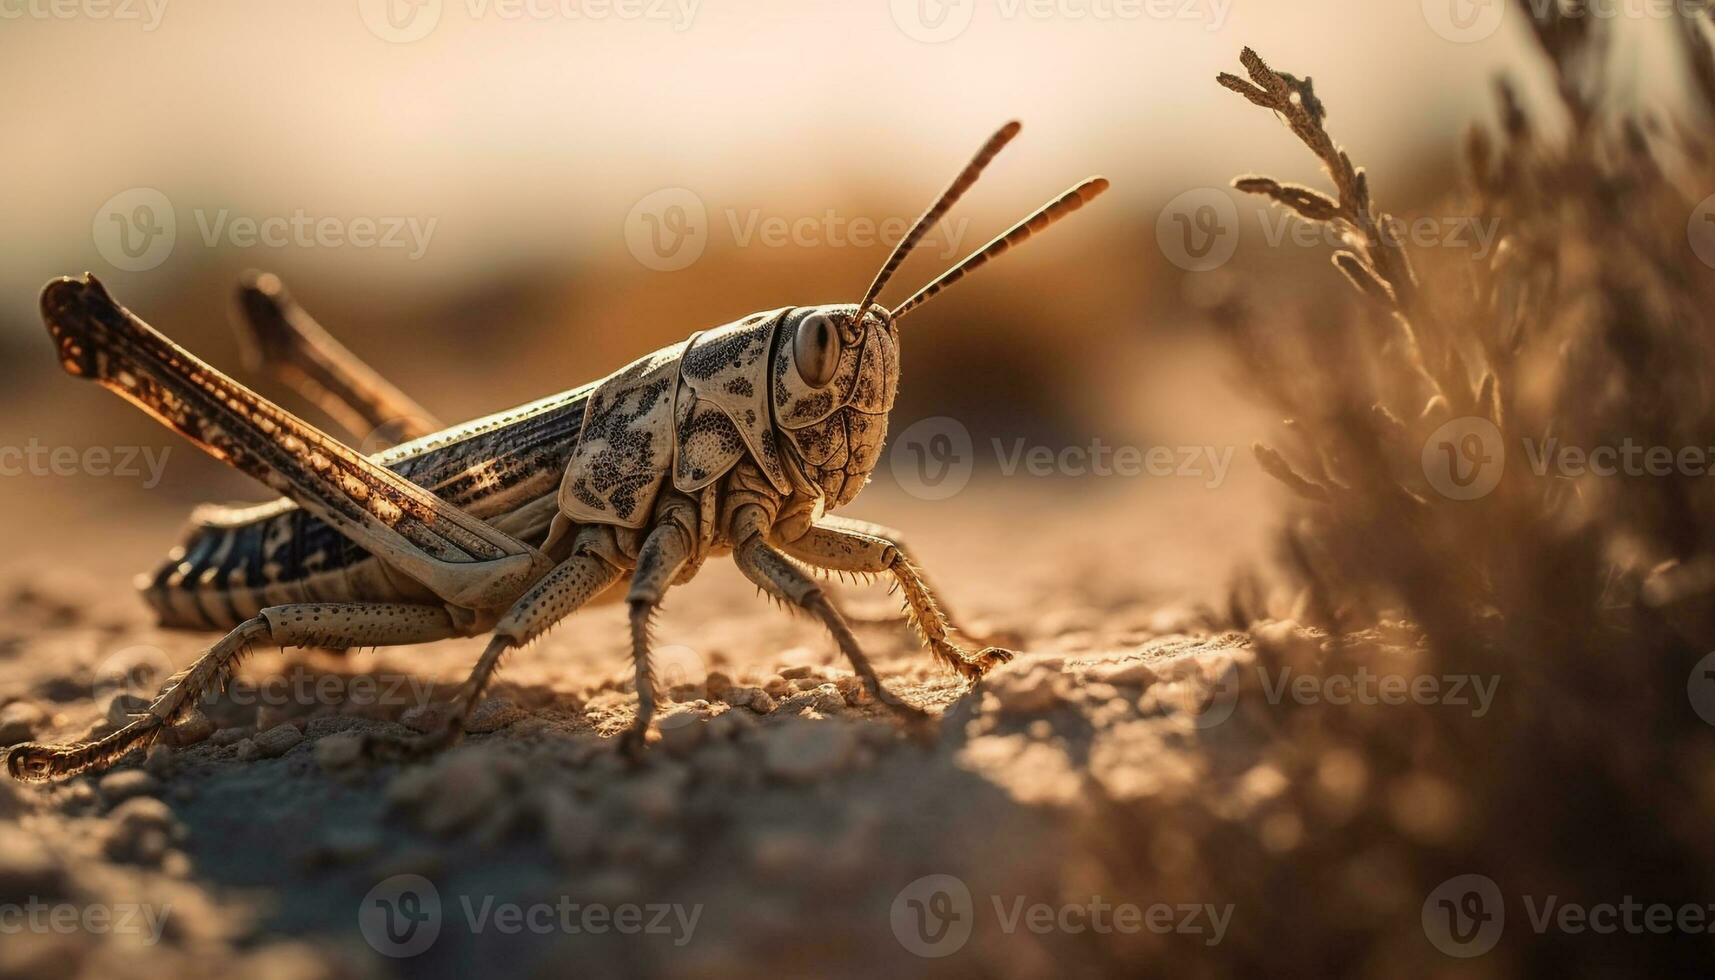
column 625, row 449
column 727, row 368
column 707, row 443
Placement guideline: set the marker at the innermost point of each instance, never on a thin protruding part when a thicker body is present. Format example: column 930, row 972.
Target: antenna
column 1044, row 216
column 948, row 198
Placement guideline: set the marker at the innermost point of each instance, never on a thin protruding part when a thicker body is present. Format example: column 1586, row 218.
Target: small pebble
column 331, row 725
column 424, row 718
column 141, row 831
column 336, row 752
column 117, row 787
column 1024, row 692
column 828, row 699
column 195, row 727
column 271, row 716
column 229, row 736
column 467, row 786
column 493, row 715
column 124, row 708
column 19, row 722
column 754, row 698
column 277, row 741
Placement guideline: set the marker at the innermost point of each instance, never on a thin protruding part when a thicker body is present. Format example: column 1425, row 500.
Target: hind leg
column 462, row 560
column 283, row 340
column 330, row 625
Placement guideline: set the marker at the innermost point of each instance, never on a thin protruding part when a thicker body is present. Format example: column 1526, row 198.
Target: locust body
column 738, row 441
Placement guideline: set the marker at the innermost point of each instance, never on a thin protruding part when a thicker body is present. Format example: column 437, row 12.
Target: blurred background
column 491, row 200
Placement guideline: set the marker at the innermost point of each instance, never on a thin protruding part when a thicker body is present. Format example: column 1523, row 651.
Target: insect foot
column 972, row 666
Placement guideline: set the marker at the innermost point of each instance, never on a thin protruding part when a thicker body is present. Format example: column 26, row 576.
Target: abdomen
column 504, row 468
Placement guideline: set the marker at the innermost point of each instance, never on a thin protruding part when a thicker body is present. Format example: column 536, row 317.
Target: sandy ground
column 782, row 823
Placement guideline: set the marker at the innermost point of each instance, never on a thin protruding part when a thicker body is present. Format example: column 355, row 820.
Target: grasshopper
column 738, row 440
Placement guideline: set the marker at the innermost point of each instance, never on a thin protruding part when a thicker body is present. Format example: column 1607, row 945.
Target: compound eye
column 816, row 350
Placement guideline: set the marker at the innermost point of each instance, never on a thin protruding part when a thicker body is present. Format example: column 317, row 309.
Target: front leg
column 840, row 545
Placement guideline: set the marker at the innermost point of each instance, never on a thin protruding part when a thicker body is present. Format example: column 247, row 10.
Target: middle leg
column 663, row 555
column 571, row 585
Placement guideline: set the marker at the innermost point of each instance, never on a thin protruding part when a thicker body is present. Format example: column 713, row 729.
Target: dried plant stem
column 1380, row 268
